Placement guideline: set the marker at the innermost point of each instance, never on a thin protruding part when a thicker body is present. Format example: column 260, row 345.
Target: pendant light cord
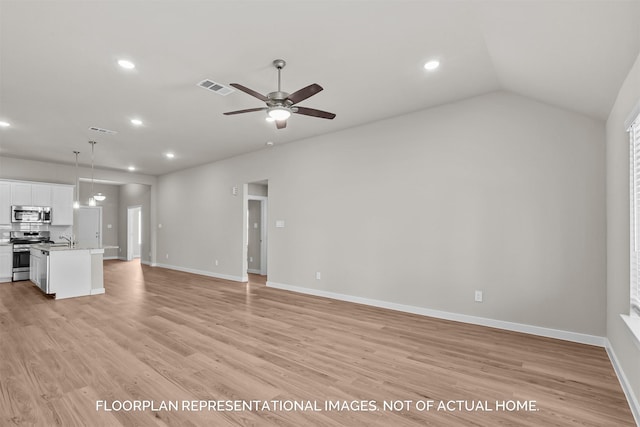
column 93, row 144
column 77, row 178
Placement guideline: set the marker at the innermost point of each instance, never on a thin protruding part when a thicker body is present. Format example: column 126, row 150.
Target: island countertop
column 55, row 247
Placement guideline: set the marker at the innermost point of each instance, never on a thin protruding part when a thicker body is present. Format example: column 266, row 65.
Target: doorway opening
column 256, row 231
column 134, row 232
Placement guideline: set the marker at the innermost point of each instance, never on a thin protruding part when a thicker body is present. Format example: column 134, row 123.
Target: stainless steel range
column 22, row 242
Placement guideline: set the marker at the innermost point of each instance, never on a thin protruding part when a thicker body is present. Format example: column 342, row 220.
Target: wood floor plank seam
column 164, row 335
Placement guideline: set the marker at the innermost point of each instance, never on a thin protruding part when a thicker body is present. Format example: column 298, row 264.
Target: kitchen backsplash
column 55, row 230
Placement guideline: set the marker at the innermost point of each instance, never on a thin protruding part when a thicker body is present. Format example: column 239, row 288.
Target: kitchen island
column 67, row 272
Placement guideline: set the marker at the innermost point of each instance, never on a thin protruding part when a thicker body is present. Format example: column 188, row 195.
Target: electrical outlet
column 250, row 259
column 166, row 256
column 478, row 296
column 216, row 262
column 318, row 275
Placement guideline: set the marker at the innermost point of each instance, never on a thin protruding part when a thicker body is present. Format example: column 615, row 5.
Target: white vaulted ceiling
column 59, row 73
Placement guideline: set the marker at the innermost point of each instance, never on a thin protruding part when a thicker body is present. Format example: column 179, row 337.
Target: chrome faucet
column 68, row 239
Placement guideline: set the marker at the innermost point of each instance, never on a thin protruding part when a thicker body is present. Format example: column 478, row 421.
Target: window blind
column 634, row 186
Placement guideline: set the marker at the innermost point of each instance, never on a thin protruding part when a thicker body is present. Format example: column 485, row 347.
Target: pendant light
column 76, row 203
column 92, row 200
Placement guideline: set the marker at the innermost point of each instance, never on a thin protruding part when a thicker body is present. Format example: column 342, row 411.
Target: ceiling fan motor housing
column 279, row 98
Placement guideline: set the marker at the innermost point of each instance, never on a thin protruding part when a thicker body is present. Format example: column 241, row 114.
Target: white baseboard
column 475, row 320
column 202, row 272
column 253, row 271
column 97, row 291
column 121, row 258
column 624, row 382
column 106, row 258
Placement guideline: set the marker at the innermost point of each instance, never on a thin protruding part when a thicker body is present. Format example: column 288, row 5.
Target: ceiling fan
column 281, row 104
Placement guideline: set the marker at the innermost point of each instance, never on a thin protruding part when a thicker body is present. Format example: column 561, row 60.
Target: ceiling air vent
column 218, row 88
column 107, row 131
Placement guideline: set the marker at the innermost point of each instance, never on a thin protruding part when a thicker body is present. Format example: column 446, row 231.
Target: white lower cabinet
column 6, row 263
column 39, row 269
column 34, row 264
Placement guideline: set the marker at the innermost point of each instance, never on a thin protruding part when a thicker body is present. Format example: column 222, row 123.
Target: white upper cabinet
column 5, row 203
column 62, row 206
column 21, row 194
column 58, row 196
column 40, row 195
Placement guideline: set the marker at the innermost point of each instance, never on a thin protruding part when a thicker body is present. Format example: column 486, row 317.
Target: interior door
column 88, row 227
column 134, row 232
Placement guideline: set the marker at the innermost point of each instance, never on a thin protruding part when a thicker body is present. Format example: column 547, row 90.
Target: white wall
column 497, row 193
column 33, row 170
column 617, row 178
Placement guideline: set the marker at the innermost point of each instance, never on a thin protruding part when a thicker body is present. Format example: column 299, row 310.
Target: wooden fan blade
column 281, row 124
column 313, row 112
column 250, row 92
column 304, row 93
column 249, row 110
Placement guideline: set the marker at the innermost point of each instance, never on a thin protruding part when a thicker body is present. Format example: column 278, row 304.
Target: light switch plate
column 478, row 296
column 280, row 223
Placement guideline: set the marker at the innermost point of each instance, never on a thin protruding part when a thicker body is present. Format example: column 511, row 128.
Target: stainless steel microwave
column 31, row 214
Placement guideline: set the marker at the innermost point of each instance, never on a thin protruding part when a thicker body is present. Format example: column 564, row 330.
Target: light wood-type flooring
column 164, row 337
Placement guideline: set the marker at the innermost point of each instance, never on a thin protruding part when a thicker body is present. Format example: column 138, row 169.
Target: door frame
column 130, row 211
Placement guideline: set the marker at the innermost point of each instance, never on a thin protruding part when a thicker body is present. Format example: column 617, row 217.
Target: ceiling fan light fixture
column 100, row 197
column 279, row 113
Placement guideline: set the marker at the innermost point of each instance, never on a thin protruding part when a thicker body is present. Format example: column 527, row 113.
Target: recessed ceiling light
column 126, row 64
column 170, row 155
column 5, row 124
column 136, row 122
column 431, row 65
column 131, row 168
column 269, row 144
